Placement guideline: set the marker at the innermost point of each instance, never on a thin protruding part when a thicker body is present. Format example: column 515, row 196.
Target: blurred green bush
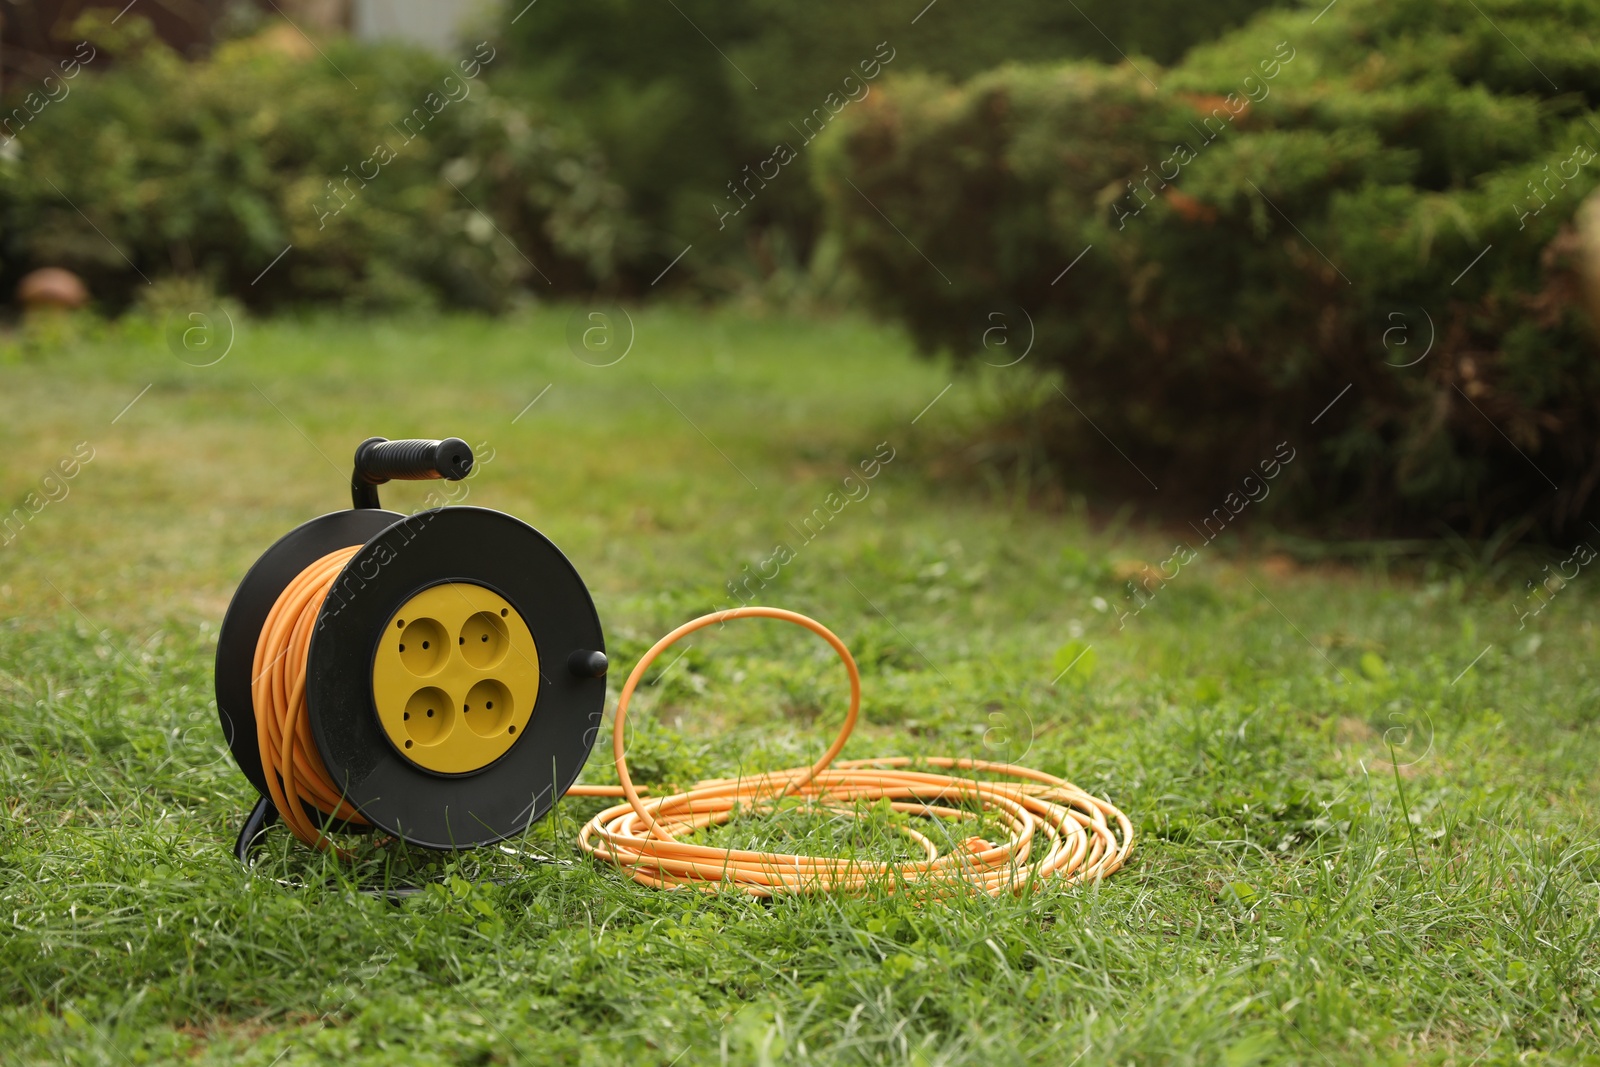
column 1300, row 207
column 400, row 178
column 683, row 97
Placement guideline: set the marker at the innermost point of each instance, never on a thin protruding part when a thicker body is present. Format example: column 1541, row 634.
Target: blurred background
column 1196, row 400
column 1362, row 228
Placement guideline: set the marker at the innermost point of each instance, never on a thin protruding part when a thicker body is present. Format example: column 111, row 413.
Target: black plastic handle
column 379, row 460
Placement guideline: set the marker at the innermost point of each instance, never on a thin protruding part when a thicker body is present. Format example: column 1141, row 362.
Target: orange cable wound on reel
column 289, row 756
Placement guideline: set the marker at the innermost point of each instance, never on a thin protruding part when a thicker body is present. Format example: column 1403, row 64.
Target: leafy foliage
column 683, row 96
column 1299, row 207
column 399, row 178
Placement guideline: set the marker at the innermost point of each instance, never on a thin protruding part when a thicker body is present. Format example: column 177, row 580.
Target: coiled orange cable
column 289, row 756
column 1056, row 830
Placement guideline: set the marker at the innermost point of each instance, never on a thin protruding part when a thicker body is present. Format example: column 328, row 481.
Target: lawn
column 1365, row 793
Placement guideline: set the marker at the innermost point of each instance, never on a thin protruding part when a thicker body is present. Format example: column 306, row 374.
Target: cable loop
column 1056, row 829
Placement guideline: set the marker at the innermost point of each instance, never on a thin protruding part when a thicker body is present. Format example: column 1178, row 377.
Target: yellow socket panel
column 455, row 677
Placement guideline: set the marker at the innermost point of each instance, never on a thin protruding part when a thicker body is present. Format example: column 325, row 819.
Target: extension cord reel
column 440, row 677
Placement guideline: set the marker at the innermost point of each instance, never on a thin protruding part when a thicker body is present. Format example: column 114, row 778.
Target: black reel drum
column 454, row 673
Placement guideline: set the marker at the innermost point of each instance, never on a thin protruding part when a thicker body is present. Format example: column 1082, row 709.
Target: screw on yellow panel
column 455, row 677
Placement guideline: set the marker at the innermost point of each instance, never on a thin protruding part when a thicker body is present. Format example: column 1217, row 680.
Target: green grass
column 1366, row 799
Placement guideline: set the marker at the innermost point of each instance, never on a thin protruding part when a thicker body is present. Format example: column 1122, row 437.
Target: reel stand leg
column 255, row 827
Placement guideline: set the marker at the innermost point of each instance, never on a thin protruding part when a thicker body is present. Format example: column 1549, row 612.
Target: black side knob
column 586, row 663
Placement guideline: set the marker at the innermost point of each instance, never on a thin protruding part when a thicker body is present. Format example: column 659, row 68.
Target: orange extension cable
column 1056, row 830
column 289, row 756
